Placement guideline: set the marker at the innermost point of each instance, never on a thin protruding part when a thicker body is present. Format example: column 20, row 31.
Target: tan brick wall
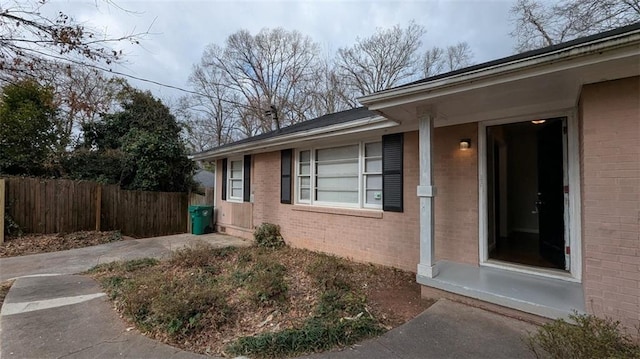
column 456, row 182
column 610, row 159
column 391, row 240
column 386, row 238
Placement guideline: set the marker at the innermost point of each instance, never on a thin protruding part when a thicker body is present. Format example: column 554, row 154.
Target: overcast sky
column 180, row 30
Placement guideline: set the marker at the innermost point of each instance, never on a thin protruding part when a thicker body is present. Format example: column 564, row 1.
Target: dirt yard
column 260, row 303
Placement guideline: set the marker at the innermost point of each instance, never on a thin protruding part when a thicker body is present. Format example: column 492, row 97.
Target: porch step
column 546, row 297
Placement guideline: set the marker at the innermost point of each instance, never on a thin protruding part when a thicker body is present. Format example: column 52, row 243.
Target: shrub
column 267, row 235
column 11, row 227
column 590, row 337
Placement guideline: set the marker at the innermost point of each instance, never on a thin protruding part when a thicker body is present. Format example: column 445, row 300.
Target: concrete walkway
column 68, row 316
column 79, row 260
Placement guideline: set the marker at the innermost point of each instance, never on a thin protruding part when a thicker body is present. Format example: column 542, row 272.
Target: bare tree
column 267, row 75
column 30, row 40
column 329, row 93
column 383, row 60
column 438, row 60
column 538, row 24
column 209, row 116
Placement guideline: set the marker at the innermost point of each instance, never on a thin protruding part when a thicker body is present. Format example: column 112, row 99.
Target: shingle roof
column 319, row 122
column 527, row 54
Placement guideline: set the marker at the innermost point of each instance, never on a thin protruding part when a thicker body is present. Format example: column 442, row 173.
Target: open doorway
column 526, row 181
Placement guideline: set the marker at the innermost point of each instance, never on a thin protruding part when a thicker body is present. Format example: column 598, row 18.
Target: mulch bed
column 41, row 243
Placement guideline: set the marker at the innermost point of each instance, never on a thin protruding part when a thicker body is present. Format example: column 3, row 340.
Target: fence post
column 98, row 207
column 2, row 199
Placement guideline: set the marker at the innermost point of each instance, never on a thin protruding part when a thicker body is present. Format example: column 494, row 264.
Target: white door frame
column 573, row 226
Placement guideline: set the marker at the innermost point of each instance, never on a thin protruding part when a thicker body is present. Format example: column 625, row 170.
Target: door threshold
column 532, row 270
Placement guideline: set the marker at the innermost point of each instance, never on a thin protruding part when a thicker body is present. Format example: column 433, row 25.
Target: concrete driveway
column 81, row 259
column 68, row 316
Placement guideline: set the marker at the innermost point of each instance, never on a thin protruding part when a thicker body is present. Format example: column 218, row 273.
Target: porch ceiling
column 547, row 88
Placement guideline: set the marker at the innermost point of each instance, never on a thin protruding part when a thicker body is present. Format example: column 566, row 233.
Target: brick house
column 513, row 183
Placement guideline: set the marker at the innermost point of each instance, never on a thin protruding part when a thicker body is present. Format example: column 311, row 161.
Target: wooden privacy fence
column 54, row 206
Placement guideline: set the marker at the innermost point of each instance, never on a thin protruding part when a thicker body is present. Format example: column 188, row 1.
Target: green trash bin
column 200, row 218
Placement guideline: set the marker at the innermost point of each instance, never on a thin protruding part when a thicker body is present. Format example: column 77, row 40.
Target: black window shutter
column 285, row 175
column 224, row 179
column 247, row 179
column 392, row 172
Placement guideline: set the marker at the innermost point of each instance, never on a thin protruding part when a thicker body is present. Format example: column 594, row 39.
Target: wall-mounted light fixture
column 538, row 122
column 465, row 144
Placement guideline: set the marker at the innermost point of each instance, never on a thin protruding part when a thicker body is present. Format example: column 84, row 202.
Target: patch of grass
column 176, row 306
column 589, row 337
column 200, row 256
column 330, row 272
column 124, row 266
column 316, row 335
column 340, row 317
column 267, row 235
column 252, row 301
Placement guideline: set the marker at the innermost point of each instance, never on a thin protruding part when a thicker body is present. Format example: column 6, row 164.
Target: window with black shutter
column 285, row 176
column 247, row 179
column 224, row 180
column 392, row 172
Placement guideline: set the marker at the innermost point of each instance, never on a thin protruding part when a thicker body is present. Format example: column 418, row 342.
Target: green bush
column 267, row 235
column 589, row 337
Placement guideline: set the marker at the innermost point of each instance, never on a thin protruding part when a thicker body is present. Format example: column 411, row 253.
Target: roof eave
column 405, row 94
column 360, row 125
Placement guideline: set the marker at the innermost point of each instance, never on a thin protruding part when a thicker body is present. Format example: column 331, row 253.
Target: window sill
column 366, row 213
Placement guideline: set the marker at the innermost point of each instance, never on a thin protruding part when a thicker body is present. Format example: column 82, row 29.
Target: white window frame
column 361, row 203
column 230, row 180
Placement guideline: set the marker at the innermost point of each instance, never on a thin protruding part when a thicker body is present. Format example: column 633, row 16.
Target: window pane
column 374, row 197
column 236, row 183
column 305, row 169
column 337, row 197
column 339, row 169
column 305, row 194
column 331, row 183
column 373, row 149
column 236, row 165
column 305, row 156
column 236, row 174
column 305, row 181
column 337, row 153
column 236, row 192
column 374, row 182
column 373, row 165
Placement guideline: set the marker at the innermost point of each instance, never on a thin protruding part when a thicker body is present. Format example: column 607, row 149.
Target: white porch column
column 426, row 191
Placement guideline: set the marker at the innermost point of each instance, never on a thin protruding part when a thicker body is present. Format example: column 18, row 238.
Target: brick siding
column 610, row 164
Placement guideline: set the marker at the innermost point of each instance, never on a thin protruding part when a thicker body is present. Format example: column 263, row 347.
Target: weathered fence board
column 54, row 206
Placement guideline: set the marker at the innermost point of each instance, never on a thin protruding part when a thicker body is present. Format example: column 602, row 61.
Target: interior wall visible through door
column 526, row 181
